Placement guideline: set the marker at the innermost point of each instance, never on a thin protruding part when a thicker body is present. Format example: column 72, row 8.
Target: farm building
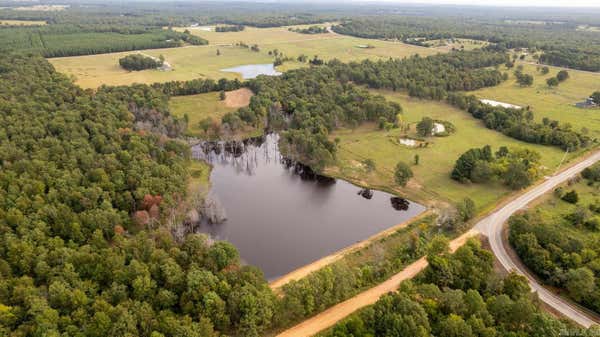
column 588, row 103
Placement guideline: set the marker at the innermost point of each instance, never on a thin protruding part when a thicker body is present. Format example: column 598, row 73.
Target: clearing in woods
column 22, row 23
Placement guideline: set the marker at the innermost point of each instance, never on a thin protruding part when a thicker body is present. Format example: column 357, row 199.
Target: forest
column 561, row 43
column 457, row 295
column 561, row 246
column 86, row 177
column 71, row 40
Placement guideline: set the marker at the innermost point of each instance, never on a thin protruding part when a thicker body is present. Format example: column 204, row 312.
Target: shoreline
column 311, row 267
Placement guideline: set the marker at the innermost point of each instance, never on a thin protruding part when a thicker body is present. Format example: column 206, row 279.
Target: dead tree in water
column 213, row 210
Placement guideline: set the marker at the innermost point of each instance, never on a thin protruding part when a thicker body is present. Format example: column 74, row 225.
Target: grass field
column 22, row 23
column 198, row 107
column 202, row 61
column 432, row 181
column 555, row 103
column 260, row 36
column 188, row 63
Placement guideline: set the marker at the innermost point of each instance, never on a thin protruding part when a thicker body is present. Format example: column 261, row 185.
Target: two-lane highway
column 492, row 226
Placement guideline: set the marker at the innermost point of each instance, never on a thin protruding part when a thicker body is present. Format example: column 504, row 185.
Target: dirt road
column 493, row 224
column 338, row 312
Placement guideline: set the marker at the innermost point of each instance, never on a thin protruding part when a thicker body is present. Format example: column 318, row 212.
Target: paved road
column 493, row 224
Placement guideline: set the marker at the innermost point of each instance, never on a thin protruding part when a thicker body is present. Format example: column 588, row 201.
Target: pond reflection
column 281, row 214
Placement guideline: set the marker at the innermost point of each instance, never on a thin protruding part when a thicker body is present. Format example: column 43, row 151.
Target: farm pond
column 280, row 214
column 249, row 71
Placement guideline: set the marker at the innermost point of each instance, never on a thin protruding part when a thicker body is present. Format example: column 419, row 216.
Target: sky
column 504, row 3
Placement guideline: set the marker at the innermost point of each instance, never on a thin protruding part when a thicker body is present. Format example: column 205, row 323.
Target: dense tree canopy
column 456, row 296
column 517, row 168
column 70, row 40
column 85, row 179
column 561, row 42
column 139, row 62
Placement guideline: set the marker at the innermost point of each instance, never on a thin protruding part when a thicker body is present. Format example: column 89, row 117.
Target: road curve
column 492, row 226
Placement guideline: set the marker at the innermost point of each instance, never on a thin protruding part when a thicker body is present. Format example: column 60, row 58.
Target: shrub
column 571, row 197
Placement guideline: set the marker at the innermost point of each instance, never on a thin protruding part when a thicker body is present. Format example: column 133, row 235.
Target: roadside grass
column 552, row 210
column 22, row 23
column 192, row 62
column 197, row 108
column 555, row 103
column 431, row 183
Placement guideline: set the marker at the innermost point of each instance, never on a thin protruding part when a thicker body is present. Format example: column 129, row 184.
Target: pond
column 280, row 215
column 252, row 70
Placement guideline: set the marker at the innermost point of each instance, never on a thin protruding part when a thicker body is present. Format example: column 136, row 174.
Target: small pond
column 280, row 215
column 252, row 70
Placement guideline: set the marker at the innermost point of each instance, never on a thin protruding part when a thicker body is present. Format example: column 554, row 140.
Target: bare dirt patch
column 238, row 98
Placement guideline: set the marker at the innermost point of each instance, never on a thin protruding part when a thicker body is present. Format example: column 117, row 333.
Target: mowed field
column 192, row 62
column 92, row 71
column 555, row 103
column 432, row 182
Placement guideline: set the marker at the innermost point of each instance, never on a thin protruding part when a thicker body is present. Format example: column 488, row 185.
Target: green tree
column 552, row 82
column 402, row 173
column 425, row 127
column 580, row 283
column 571, row 197
column 562, row 75
column 466, row 209
column 596, row 97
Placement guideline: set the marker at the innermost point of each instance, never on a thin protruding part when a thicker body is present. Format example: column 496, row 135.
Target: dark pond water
column 281, row 216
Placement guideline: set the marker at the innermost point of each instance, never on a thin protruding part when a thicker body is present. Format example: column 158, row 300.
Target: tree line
column 310, row 30
column 463, row 71
column 72, row 40
column 231, row 28
column 519, row 123
column 562, row 44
